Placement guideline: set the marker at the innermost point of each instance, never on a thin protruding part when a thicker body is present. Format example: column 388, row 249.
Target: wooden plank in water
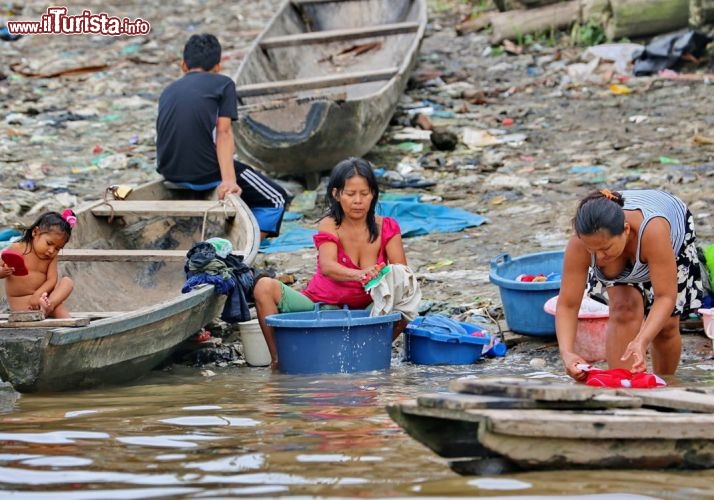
column 449, row 434
column 522, row 388
column 338, row 35
column 320, row 82
column 701, row 390
column 611, row 424
column 106, row 255
column 45, row 323
column 673, row 399
column 453, row 401
column 178, row 208
column 535, row 452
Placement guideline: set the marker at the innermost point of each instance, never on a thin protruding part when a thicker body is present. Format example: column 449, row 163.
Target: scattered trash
column 7, row 36
column 670, row 51
column 439, row 264
column 592, row 174
column 637, row 119
column 394, row 179
column 411, row 147
column 619, row 89
column 444, row 140
column 669, row 161
column 28, row 185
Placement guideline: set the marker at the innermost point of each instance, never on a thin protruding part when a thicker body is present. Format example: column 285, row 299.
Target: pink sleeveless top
column 349, row 293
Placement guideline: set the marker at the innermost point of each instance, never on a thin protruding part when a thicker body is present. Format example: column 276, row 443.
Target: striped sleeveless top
column 652, row 203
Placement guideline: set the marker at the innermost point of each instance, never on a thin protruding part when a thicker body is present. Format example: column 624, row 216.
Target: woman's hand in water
column 573, row 363
column 637, row 353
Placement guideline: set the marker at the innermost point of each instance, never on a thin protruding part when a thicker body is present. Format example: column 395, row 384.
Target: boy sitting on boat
column 194, row 136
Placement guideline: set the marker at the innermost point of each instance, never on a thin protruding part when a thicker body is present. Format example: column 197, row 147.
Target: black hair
column 202, row 51
column 346, row 169
column 49, row 221
column 600, row 210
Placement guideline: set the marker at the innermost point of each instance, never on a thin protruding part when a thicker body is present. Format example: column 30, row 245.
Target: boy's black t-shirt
column 186, row 126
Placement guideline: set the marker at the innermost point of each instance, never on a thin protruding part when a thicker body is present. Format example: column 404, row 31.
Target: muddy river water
column 246, row 432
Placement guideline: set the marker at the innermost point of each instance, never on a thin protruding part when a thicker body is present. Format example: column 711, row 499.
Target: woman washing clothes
column 637, row 246
column 353, row 245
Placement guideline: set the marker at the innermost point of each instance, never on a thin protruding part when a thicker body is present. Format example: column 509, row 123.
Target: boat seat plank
column 106, row 255
column 611, row 424
column 337, row 35
column 178, row 208
column 286, row 86
column 49, row 322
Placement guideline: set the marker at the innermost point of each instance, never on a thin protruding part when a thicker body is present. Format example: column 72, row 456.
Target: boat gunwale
column 122, row 322
column 408, row 60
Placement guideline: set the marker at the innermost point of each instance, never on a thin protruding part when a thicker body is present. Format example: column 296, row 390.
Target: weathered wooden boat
column 490, row 426
column 126, row 257
column 322, row 81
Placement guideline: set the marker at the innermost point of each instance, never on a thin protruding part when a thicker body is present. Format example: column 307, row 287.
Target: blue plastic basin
column 426, row 345
column 523, row 301
column 332, row 341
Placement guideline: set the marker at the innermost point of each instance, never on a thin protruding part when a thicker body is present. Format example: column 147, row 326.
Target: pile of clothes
column 212, row 262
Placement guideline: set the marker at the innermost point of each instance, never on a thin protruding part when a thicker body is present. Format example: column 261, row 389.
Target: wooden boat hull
column 128, row 272
column 624, row 429
column 322, row 81
column 111, row 350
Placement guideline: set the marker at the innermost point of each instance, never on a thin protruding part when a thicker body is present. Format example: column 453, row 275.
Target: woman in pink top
column 352, row 244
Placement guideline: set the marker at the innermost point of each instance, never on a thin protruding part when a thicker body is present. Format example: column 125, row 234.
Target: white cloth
column 397, row 291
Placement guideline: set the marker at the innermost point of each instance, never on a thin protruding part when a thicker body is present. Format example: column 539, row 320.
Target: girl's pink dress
column 349, row 293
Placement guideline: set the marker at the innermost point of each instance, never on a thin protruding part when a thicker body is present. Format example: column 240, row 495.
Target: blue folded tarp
column 417, row 219
column 414, row 218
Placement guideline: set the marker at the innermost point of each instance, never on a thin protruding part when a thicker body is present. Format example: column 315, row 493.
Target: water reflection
column 248, row 432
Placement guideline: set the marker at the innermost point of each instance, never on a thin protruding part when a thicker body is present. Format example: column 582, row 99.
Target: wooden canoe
column 488, row 426
column 322, row 81
column 126, row 258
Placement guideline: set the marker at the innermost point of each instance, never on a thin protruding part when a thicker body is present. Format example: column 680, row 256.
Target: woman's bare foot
column 45, row 305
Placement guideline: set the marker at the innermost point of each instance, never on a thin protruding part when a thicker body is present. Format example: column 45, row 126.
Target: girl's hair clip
column 607, row 194
column 69, row 216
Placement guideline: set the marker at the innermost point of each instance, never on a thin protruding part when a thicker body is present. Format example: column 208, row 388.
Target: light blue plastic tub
column 523, row 301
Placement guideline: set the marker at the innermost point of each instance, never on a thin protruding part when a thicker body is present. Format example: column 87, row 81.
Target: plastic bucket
column 255, row 348
column 332, row 341
column 523, row 301
column 591, row 333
